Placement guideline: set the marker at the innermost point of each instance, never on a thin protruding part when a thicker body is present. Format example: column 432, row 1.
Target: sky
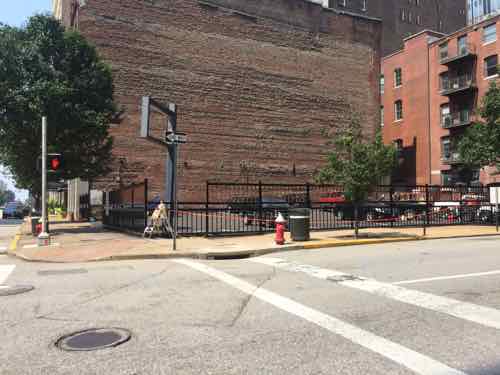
column 15, row 13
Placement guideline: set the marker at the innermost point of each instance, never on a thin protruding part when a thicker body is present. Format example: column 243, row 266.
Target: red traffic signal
column 54, row 162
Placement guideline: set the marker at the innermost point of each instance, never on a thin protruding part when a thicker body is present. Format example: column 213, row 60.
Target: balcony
column 465, row 52
column 456, row 119
column 450, row 158
column 450, row 86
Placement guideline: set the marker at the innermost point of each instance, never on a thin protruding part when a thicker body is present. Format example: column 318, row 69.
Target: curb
column 240, row 254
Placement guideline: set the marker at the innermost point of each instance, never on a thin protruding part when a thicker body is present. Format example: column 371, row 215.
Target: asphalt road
column 425, row 307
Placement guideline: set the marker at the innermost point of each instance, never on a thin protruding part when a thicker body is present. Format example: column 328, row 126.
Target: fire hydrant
column 280, row 229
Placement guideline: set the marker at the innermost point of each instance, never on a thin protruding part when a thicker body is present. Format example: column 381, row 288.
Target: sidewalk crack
column 248, row 298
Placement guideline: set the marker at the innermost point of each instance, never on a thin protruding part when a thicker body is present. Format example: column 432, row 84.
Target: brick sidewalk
column 83, row 242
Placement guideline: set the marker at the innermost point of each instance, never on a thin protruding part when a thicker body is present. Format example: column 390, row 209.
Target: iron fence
column 234, row 208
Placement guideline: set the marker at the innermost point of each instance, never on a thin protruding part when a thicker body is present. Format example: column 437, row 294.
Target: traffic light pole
column 44, row 237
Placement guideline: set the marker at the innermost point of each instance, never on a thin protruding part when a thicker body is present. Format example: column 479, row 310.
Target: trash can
column 34, row 221
column 299, row 224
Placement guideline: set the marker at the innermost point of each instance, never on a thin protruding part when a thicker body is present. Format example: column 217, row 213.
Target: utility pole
column 44, row 237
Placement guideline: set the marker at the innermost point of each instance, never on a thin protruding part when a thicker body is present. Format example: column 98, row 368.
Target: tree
column 47, row 71
column 6, row 195
column 358, row 165
column 480, row 145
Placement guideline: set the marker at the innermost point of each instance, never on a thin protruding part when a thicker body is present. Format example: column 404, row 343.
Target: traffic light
column 54, row 162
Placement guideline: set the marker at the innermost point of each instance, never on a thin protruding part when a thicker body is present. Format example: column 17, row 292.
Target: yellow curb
column 368, row 241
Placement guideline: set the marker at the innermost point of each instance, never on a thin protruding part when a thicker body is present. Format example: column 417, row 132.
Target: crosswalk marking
column 3, row 249
column 451, row 277
column 5, row 272
column 463, row 310
column 412, row 360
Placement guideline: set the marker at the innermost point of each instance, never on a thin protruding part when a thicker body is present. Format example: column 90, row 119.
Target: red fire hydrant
column 280, row 229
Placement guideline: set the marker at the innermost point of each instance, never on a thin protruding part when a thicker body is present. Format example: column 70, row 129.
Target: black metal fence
column 234, row 208
column 127, row 208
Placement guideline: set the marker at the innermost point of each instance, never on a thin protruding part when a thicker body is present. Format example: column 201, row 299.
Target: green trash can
column 300, row 224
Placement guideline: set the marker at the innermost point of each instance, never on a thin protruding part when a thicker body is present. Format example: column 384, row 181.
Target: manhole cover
column 94, row 339
column 15, row 289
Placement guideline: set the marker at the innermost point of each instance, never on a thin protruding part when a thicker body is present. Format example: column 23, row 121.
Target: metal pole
column 44, row 238
column 175, row 201
column 497, row 189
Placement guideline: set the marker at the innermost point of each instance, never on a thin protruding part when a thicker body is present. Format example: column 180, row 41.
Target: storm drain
column 6, row 290
column 93, row 339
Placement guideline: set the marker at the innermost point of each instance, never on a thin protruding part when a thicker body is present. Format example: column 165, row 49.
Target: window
column 382, row 84
column 419, row 19
column 403, row 14
column 490, row 33
column 398, row 144
column 445, row 116
column 462, row 45
column 445, row 148
column 342, row 3
column 444, row 81
column 398, row 77
column 447, row 178
column 443, row 51
column 382, row 116
column 364, row 8
column 398, row 110
column 490, row 66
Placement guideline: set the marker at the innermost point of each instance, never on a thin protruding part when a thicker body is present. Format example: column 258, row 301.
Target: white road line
column 412, row 360
column 463, row 310
column 451, row 277
column 32, row 246
column 5, row 272
column 3, row 249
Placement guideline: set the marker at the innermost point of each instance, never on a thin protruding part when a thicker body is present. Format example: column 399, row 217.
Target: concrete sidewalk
column 84, row 242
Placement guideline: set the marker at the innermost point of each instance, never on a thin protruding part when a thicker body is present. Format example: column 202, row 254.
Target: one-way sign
column 176, row 138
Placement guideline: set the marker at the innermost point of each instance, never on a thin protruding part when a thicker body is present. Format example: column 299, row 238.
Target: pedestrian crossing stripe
column 418, row 363
column 5, row 272
column 485, row 316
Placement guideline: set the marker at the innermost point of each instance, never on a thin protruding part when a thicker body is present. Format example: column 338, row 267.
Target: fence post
column 259, row 222
column 207, row 199
column 460, row 218
column 426, row 219
column 391, row 204
column 146, row 202
column 308, row 195
column 497, row 189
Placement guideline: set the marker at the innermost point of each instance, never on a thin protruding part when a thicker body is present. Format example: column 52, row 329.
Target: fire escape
column 458, row 83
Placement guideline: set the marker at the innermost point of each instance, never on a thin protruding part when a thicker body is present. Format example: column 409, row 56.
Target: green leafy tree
column 480, row 145
column 358, row 165
column 48, row 71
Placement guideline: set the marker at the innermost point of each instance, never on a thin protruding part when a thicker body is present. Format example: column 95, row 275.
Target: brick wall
column 261, row 86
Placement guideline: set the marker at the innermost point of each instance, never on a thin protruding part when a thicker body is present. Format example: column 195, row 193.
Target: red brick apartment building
column 261, row 86
column 431, row 91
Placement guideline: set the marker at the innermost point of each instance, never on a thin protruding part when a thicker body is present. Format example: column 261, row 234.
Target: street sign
column 175, row 138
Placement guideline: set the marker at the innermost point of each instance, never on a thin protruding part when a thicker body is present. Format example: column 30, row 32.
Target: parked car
column 486, row 214
column 250, row 210
column 13, row 210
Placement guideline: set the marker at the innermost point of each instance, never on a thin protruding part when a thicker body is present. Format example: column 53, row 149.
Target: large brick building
column 402, row 18
column 261, row 86
column 432, row 90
